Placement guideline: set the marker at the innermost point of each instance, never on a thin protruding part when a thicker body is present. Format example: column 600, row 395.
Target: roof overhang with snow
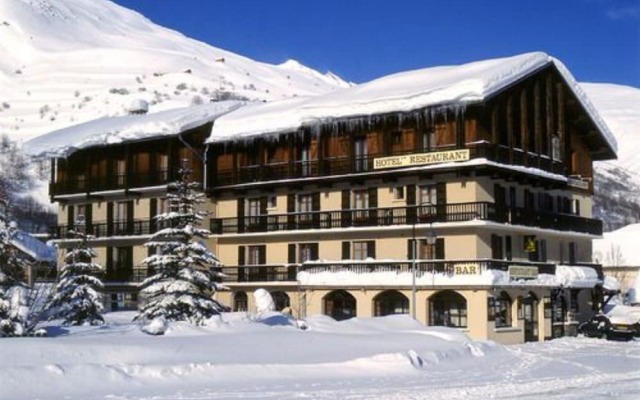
column 443, row 87
column 128, row 128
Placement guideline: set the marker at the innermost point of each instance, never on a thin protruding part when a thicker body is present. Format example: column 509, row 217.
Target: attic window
column 396, row 138
column 555, row 147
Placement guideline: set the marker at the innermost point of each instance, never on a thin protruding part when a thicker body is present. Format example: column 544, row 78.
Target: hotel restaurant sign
column 421, row 159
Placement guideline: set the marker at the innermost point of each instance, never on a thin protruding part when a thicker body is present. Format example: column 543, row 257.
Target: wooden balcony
column 343, row 165
column 409, row 215
column 81, row 184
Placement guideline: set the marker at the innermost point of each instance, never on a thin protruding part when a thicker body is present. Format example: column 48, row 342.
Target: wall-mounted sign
column 421, row 159
column 466, row 269
column 578, row 183
column 523, row 272
column 530, row 244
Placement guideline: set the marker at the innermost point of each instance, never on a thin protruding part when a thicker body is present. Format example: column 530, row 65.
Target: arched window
column 390, row 302
column 240, row 302
column 340, row 305
column 448, row 308
column 499, row 309
column 280, row 300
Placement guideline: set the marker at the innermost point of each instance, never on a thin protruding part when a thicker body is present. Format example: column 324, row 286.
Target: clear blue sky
column 598, row 40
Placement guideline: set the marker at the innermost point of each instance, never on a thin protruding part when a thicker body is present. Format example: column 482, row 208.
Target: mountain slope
column 69, row 61
column 618, row 182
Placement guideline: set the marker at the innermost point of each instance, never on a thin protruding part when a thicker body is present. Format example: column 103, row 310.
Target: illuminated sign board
column 421, row 159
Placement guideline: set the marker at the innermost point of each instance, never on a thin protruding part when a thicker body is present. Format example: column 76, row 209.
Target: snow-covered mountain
column 618, row 182
column 69, row 61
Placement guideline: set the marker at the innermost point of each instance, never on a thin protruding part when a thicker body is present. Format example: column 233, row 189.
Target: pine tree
column 12, row 286
column 76, row 297
column 185, row 275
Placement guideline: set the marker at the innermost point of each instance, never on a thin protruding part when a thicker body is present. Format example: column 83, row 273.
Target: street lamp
column 431, row 239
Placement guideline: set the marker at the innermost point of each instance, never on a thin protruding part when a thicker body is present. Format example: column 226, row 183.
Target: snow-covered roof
column 35, row 248
column 446, row 86
column 111, row 130
column 567, row 276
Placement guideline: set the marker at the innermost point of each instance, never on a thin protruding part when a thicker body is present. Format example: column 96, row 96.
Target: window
column 360, row 250
column 398, row 193
column 272, row 202
column 305, row 252
column 253, row 211
column 254, row 255
column 81, row 215
column 361, row 153
column 240, row 301
column 304, row 158
column 448, row 308
column 500, row 310
column 121, row 216
column 396, row 138
column 426, row 251
column 121, row 172
column 555, row 148
column 361, row 202
column 575, row 206
column 428, row 140
column 428, row 197
column 121, row 268
column 163, row 167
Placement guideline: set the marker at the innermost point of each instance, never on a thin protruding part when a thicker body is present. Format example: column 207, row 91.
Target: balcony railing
column 113, row 182
column 288, row 273
column 341, row 165
column 106, row 229
column 409, row 215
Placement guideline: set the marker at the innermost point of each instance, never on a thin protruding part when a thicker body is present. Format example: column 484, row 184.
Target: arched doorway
column 340, row 305
column 390, row 302
column 280, row 300
column 530, row 316
column 448, row 308
column 240, row 302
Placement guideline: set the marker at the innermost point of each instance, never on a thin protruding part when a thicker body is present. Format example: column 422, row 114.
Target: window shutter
column 371, row 248
column 262, row 255
column 292, row 253
column 109, row 218
column 291, row 208
column 263, row 205
column 441, row 193
column 153, row 208
column 346, row 205
column 241, row 255
column 130, row 216
column 240, row 214
column 315, row 201
column 410, row 249
column 109, row 259
column 314, row 251
column 71, row 219
column 440, row 248
column 346, row 250
column 346, row 199
column 89, row 217
column 373, row 197
column 411, row 201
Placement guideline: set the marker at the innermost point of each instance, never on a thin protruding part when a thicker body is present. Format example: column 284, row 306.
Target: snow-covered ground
column 236, row 357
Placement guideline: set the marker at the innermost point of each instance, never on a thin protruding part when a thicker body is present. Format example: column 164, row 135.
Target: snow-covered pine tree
column 12, row 286
column 184, row 270
column 76, row 298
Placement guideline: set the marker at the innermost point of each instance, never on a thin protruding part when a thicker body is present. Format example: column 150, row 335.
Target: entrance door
column 530, row 314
